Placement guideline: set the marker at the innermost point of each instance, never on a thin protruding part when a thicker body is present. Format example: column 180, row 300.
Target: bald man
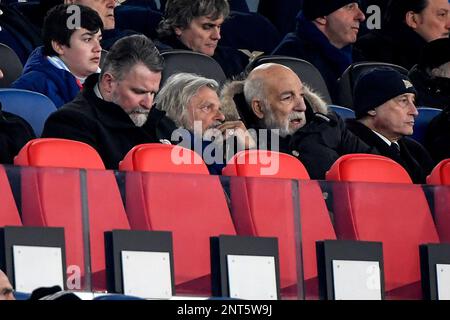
column 6, row 289
column 278, row 100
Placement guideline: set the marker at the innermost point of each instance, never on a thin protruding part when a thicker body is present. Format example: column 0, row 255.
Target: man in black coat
column 407, row 26
column 437, row 138
column 431, row 77
column 113, row 112
column 385, row 113
column 275, row 96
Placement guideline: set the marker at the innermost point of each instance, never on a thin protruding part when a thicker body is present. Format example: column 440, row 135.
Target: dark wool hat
column 313, row 9
column 376, row 86
column 435, row 53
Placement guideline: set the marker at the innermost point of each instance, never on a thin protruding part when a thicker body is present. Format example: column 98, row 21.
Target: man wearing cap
column 385, row 110
column 324, row 33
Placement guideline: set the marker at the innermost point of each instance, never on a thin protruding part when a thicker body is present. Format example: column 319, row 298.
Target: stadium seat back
column 343, row 112
column 192, row 62
column 192, row 206
column 380, row 203
column 422, row 121
column 34, row 107
column 440, row 178
column 9, row 216
column 54, row 197
column 348, row 79
column 10, row 65
column 264, row 207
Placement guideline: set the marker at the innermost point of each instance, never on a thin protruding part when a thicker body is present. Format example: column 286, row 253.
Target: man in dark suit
column 385, row 111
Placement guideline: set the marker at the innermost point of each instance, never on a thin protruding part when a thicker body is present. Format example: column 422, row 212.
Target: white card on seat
column 146, row 274
column 443, row 281
column 36, row 267
column 252, row 277
column 356, row 280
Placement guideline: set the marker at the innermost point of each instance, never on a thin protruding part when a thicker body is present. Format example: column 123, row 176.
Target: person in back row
column 105, row 9
column 324, row 33
column 114, row 112
column 195, row 25
column 407, row 26
column 384, row 101
column 69, row 55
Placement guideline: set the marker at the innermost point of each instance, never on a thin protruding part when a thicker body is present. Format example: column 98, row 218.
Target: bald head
column 6, row 289
column 275, row 94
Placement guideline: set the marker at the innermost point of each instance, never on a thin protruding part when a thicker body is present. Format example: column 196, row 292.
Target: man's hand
column 237, row 129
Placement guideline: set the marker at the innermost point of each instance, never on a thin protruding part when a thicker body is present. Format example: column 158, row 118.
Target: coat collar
column 111, row 114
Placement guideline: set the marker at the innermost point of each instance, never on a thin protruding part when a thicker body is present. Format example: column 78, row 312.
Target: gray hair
column 443, row 71
column 180, row 13
column 129, row 51
column 178, row 90
column 254, row 88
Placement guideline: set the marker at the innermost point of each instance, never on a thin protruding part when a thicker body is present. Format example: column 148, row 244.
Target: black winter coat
column 14, row 134
column 105, row 126
column 321, row 142
column 413, row 156
column 400, row 45
column 437, row 138
column 431, row 92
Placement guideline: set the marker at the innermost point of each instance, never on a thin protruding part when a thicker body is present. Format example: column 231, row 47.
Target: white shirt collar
column 385, row 139
column 58, row 63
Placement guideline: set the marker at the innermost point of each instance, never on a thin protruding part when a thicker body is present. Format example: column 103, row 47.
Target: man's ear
column 178, row 31
column 411, row 19
column 321, row 20
column 372, row 113
column 57, row 47
column 107, row 82
column 257, row 108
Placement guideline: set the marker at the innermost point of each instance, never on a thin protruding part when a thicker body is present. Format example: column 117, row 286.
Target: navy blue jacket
column 310, row 44
column 41, row 76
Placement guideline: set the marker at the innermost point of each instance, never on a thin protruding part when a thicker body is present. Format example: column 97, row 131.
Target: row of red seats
column 194, row 208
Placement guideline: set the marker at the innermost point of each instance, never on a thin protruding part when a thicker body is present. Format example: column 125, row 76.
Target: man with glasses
column 384, row 102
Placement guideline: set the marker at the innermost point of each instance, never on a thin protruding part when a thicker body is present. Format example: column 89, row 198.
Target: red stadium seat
column 441, row 176
column 9, row 216
column 389, row 209
column 265, row 208
column 52, row 197
column 170, row 198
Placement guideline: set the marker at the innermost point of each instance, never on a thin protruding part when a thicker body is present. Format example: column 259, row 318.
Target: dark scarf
column 342, row 58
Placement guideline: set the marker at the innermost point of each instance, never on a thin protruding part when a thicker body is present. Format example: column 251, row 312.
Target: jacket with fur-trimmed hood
column 318, row 144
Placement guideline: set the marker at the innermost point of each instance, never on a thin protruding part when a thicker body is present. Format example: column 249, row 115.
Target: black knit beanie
column 376, row 86
column 313, row 9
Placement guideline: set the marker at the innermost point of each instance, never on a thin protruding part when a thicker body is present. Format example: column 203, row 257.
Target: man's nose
column 147, row 101
column 215, row 34
column 220, row 116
